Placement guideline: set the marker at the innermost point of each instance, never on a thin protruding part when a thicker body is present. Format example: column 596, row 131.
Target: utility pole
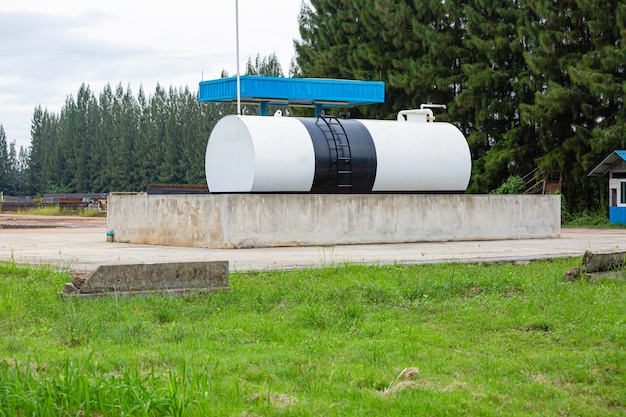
column 238, row 76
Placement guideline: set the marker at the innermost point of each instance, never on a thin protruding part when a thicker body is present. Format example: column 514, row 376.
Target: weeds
column 57, row 210
column 587, row 219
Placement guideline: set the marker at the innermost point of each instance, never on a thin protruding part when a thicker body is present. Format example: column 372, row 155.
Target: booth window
column 622, row 199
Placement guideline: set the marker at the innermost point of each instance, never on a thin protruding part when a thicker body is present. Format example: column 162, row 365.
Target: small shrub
column 586, row 219
column 513, row 185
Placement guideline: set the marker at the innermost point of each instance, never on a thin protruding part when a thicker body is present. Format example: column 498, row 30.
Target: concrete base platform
column 227, row 221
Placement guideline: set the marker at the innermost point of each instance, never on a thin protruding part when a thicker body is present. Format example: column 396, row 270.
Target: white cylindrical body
column 259, row 154
column 419, row 156
column 286, row 154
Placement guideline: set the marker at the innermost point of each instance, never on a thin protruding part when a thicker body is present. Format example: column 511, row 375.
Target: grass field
column 450, row 340
column 57, row 210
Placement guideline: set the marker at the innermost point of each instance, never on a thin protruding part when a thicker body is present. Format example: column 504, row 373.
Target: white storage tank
column 256, row 154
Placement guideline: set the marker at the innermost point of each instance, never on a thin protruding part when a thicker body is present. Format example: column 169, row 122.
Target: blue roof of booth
column 293, row 91
column 608, row 163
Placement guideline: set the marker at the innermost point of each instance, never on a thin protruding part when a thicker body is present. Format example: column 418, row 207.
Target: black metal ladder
column 340, row 153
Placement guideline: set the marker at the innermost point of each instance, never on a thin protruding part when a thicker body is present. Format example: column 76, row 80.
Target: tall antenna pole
column 238, row 76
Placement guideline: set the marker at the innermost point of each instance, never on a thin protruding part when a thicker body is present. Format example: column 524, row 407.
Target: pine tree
column 34, row 172
column 5, row 164
column 65, row 164
column 120, row 156
column 145, row 161
column 11, row 174
column 23, row 158
column 266, row 66
column 151, row 138
column 496, row 82
column 414, row 48
column 82, row 140
column 601, row 72
column 45, row 156
column 576, row 46
column 129, row 125
column 197, row 120
column 103, row 142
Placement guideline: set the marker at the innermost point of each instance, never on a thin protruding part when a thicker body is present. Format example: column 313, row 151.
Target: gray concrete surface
column 221, row 221
column 85, row 248
column 173, row 277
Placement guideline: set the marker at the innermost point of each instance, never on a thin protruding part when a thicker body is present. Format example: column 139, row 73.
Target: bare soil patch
column 23, row 221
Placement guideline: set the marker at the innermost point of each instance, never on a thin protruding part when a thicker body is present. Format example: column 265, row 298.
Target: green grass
column 598, row 220
column 592, row 220
column 56, row 210
column 480, row 340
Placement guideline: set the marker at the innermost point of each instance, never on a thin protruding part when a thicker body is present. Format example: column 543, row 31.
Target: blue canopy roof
column 608, row 163
column 308, row 92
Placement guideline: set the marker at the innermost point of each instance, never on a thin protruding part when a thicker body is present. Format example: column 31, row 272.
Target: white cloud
column 50, row 48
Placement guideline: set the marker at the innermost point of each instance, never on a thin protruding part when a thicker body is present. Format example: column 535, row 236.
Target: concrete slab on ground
column 84, row 248
column 146, row 278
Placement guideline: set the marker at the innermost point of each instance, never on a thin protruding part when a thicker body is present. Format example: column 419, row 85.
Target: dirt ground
column 20, row 221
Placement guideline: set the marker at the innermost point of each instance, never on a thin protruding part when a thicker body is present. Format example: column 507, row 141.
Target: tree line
column 532, row 84
column 118, row 141
column 13, row 165
column 114, row 141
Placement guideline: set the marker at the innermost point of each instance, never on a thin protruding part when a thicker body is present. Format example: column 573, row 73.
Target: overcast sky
column 48, row 48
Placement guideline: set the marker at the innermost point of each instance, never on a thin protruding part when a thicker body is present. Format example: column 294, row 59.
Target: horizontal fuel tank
column 260, row 154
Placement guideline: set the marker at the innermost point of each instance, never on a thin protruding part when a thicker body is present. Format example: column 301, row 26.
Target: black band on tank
column 323, row 181
column 334, row 172
column 363, row 152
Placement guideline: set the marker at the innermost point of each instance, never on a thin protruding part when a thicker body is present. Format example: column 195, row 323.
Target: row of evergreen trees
column 112, row 142
column 116, row 141
column 13, row 166
column 119, row 142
